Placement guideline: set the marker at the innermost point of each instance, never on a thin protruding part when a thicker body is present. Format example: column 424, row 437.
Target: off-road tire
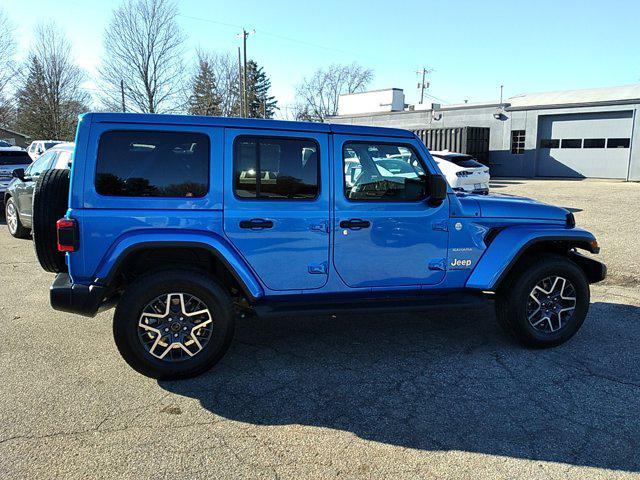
column 19, row 231
column 137, row 295
column 50, row 203
column 512, row 298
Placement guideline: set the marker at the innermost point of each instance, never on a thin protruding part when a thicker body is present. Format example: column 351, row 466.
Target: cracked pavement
column 442, row 394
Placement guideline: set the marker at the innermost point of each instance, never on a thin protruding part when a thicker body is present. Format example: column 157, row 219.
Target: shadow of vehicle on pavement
column 445, row 381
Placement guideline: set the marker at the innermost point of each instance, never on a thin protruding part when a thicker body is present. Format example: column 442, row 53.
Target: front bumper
column 66, row 296
column 594, row 270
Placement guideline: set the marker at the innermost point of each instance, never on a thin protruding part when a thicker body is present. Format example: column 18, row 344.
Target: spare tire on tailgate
column 50, row 203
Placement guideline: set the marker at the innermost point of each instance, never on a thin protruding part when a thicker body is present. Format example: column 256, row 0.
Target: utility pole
column 245, row 34
column 124, row 109
column 240, row 84
column 424, row 84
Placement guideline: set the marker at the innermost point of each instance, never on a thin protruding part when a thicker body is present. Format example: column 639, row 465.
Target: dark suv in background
column 21, row 179
column 10, row 159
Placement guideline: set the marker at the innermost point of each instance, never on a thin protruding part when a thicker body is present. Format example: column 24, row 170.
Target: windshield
column 16, row 157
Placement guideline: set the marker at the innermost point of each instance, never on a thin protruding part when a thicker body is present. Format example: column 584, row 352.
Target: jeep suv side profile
column 181, row 222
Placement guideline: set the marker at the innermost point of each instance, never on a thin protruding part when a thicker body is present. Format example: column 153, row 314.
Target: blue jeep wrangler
column 183, row 222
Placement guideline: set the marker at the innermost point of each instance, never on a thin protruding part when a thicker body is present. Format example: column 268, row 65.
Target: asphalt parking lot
column 438, row 395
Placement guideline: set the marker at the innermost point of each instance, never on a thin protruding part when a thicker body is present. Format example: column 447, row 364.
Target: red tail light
column 67, row 235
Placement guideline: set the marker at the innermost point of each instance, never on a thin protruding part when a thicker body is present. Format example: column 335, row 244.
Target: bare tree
column 50, row 96
column 317, row 97
column 143, row 47
column 7, row 70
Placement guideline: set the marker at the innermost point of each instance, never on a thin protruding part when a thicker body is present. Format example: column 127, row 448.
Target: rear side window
column 14, row 157
column 153, row 164
column 275, row 168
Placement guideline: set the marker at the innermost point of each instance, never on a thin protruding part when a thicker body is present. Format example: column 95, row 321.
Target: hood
column 507, row 206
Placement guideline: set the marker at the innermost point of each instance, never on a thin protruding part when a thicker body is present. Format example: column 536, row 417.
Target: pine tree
column 204, row 98
column 261, row 104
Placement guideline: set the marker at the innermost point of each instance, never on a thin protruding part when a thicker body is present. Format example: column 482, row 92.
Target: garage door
column 584, row 145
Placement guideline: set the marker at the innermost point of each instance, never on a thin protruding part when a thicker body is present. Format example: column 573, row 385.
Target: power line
column 281, row 37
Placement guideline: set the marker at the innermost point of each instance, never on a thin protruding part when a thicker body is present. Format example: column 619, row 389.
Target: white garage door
column 594, row 145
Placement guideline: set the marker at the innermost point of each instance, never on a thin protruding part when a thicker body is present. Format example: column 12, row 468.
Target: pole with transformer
column 245, row 34
column 240, row 84
column 424, row 84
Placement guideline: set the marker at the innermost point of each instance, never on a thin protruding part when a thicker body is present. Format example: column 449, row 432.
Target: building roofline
column 599, row 103
column 460, row 106
column 14, row 132
column 371, row 91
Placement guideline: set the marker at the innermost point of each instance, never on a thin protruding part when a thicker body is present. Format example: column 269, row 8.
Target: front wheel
column 545, row 303
column 173, row 324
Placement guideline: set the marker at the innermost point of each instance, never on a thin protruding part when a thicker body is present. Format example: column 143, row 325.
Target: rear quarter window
column 14, row 157
column 153, row 164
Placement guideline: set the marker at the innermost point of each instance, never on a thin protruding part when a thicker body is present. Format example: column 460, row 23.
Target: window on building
column 549, row 143
column 571, row 143
column 382, row 172
column 276, row 168
column 517, row 142
column 618, row 143
column 594, row 143
column 153, row 164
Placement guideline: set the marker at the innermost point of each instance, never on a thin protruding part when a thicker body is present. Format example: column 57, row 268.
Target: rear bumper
column 66, row 296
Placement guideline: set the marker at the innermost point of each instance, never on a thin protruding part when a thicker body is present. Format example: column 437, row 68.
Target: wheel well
column 147, row 260
column 529, row 254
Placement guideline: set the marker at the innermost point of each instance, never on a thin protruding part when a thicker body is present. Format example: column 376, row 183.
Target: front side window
column 382, row 172
column 275, row 168
column 153, row 164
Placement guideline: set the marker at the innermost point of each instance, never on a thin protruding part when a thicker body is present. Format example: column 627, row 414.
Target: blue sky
column 474, row 46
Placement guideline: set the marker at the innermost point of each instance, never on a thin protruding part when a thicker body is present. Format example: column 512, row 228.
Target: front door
column 387, row 234
column 276, row 205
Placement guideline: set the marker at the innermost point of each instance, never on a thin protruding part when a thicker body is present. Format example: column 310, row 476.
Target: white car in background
column 463, row 172
column 38, row 147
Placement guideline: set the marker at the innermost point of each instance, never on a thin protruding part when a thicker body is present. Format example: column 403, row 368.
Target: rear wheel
column 50, row 203
column 12, row 217
column 173, row 324
column 545, row 303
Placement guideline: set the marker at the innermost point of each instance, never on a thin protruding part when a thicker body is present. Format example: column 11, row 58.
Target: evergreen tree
column 205, row 98
column 261, row 104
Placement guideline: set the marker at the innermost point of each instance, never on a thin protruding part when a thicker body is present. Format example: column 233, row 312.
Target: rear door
column 276, row 205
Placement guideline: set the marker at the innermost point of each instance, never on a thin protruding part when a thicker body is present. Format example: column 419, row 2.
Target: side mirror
column 437, row 187
column 18, row 173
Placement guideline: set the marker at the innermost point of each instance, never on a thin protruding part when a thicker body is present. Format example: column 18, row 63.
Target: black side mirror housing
column 437, row 187
column 18, row 173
